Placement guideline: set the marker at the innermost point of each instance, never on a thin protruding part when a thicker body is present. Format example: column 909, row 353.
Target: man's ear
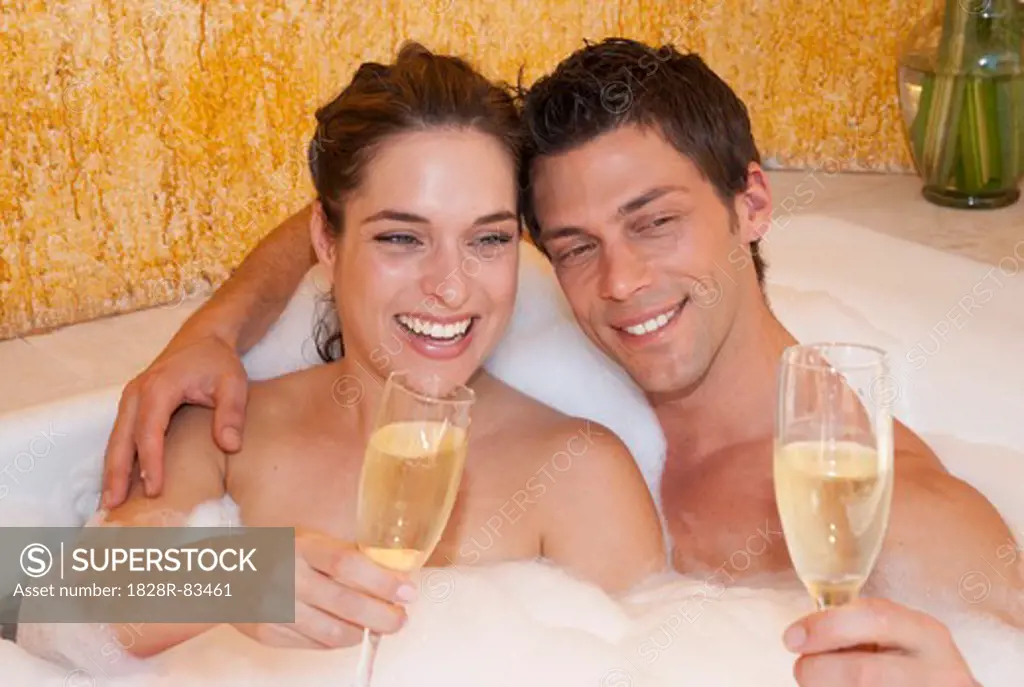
column 324, row 243
column 754, row 205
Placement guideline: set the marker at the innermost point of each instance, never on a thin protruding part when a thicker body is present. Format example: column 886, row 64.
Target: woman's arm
column 196, row 475
column 195, row 470
column 339, row 592
column 599, row 521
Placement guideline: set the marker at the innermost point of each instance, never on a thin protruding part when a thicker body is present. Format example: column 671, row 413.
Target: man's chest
column 721, row 514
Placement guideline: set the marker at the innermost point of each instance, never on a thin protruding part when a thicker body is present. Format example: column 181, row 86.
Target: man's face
column 651, row 260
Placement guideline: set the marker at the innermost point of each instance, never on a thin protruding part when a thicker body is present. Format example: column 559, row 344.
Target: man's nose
column 445, row 278
column 622, row 272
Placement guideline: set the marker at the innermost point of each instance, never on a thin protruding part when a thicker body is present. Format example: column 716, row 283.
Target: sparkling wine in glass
column 410, row 478
column 833, row 464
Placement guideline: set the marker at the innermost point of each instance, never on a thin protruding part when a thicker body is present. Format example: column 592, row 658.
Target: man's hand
column 206, row 371
column 875, row 642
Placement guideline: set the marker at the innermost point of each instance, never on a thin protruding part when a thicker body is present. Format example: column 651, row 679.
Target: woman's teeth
column 435, row 330
column 655, row 323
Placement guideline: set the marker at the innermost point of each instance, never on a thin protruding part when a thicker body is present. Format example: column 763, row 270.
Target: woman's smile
column 437, row 338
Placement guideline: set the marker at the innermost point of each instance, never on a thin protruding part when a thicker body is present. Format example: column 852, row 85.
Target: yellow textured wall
column 147, row 145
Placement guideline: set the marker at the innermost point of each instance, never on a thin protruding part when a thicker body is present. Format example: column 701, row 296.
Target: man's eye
column 573, row 253
column 658, row 222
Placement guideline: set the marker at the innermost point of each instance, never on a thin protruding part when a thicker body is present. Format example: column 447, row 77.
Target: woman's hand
column 875, row 642
column 205, row 371
column 338, row 593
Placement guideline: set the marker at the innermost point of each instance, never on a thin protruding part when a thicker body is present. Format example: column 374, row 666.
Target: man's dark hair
column 620, row 82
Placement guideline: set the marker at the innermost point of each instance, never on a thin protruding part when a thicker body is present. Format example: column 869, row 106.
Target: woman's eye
column 497, row 239
column 398, row 239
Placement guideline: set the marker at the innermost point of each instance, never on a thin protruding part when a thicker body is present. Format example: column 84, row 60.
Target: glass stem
column 834, row 597
column 367, row 655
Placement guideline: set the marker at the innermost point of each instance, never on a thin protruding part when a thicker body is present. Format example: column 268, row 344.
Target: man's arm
column 202, row 365
column 946, row 542
column 241, row 311
column 599, row 521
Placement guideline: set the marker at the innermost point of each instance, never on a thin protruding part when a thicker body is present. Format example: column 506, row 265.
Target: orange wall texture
column 147, row 145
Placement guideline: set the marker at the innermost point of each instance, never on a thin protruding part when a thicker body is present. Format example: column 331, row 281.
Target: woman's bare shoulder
column 523, row 421
column 281, row 400
column 583, row 491
column 501, row 398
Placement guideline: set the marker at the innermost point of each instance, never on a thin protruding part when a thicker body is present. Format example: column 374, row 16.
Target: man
column 643, row 185
column 650, row 202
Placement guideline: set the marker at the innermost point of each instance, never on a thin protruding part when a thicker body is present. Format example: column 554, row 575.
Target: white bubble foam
column 529, row 623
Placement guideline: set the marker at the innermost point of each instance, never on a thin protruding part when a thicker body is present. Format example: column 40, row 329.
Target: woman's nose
column 445, row 279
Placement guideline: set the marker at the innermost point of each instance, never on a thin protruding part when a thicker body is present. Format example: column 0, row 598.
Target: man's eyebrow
column 560, row 233
column 646, row 197
column 627, row 208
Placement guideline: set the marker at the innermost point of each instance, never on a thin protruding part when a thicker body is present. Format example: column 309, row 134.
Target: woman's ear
column 321, row 237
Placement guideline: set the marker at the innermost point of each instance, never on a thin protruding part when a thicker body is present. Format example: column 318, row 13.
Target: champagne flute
column 409, row 481
column 833, row 464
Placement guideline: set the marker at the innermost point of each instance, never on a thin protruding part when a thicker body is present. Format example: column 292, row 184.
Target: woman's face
column 425, row 268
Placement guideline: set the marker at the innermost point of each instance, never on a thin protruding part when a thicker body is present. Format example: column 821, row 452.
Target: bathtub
column 952, row 328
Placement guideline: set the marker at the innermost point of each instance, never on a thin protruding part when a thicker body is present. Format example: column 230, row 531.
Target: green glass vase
column 961, row 89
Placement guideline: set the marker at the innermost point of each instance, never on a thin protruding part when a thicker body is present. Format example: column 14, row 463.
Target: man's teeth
column 653, row 324
column 435, row 330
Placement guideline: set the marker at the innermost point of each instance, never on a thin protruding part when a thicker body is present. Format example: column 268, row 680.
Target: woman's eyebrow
column 400, row 216
column 494, row 217
column 396, row 216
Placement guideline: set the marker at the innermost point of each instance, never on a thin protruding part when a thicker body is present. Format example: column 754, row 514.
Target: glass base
column 966, row 201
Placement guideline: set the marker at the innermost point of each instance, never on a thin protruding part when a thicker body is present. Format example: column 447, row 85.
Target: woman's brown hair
column 419, row 91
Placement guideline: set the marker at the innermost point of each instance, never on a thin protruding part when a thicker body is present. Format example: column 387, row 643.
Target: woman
column 414, row 166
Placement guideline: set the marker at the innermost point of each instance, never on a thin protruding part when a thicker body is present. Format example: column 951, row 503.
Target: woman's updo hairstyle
column 419, row 91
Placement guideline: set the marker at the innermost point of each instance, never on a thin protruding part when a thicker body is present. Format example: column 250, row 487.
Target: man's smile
column 642, row 328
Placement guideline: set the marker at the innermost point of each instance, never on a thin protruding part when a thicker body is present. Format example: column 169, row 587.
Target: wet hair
column 620, row 82
column 418, row 92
